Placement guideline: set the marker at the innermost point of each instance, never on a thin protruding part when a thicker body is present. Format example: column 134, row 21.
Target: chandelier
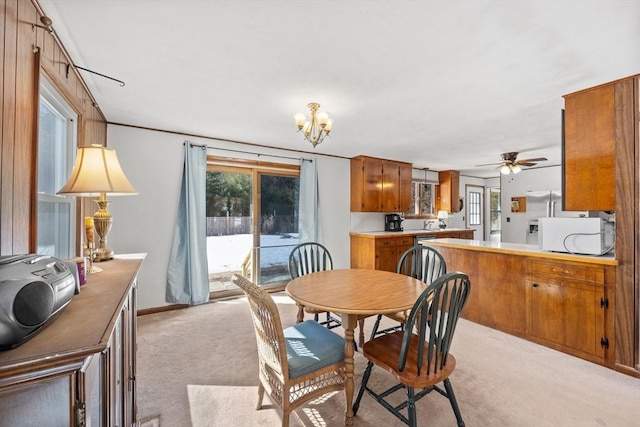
column 315, row 128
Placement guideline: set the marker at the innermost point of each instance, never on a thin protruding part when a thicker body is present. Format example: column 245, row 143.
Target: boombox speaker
column 34, row 289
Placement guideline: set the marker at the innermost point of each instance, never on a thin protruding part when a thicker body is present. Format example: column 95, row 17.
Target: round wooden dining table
column 353, row 293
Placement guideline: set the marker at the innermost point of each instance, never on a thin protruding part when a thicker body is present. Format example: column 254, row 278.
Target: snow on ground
column 227, row 253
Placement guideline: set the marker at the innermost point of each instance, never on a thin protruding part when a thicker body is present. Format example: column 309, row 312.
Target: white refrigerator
column 541, row 204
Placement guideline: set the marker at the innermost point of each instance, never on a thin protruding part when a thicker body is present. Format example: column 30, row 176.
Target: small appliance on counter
column 34, row 289
column 587, row 236
column 393, row 222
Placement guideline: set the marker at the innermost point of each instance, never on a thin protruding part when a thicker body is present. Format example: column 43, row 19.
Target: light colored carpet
column 198, row 367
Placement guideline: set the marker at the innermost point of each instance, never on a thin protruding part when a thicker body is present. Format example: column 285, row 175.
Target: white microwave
column 589, row 236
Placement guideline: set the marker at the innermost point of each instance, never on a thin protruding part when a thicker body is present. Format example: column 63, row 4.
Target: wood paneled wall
column 27, row 52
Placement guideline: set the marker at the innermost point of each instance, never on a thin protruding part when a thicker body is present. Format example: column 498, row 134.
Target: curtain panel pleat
column 187, row 275
column 309, row 223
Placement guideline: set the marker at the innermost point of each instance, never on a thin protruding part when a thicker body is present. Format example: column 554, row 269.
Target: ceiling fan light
column 505, row 170
column 516, row 168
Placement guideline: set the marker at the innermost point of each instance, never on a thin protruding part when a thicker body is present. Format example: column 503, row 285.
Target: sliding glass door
column 252, row 223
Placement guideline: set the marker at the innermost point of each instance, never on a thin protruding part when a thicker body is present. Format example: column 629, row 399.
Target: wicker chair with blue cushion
column 297, row 364
column 419, row 357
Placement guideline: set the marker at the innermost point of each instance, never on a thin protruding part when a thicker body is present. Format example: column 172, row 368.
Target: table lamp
column 442, row 215
column 97, row 172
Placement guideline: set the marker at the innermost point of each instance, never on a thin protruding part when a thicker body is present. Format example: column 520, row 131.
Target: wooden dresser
column 80, row 370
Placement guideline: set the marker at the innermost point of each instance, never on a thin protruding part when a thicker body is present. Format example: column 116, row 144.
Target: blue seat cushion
column 310, row 347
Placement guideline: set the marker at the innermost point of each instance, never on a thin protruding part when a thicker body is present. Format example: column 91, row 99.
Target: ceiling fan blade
column 537, row 159
column 523, row 163
column 491, row 164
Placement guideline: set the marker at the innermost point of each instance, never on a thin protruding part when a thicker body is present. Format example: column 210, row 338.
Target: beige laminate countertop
column 520, row 249
column 433, row 232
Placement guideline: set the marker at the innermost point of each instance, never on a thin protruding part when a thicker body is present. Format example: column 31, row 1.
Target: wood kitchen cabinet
column 497, row 297
column 379, row 185
column 567, row 306
column 81, row 369
column 597, row 122
column 555, row 300
column 381, row 253
column 448, row 191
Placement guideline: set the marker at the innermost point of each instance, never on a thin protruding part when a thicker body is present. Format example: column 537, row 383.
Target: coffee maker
column 392, row 222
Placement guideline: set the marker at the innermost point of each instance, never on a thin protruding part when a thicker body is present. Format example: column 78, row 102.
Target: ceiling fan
column 510, row 164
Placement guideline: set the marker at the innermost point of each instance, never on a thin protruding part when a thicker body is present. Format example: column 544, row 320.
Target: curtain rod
column 204, row 146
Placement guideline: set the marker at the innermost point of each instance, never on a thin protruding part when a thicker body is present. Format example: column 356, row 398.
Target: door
column 252, row 223
column 474, row 218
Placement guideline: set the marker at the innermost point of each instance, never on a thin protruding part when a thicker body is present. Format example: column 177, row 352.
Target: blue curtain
column 309, row 223
column 187, row 275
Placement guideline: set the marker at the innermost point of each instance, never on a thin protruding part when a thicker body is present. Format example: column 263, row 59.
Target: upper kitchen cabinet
column 379, row 185
column 598, row 124
column 448, row 192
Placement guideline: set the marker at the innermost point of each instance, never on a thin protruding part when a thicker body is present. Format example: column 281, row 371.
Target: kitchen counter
column 562, row 301
column 521, row 249
column 381, row 250
column 420, row 232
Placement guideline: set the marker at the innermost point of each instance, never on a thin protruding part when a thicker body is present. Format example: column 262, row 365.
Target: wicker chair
column 420, row 262
column 296, row 364
column 419, row 357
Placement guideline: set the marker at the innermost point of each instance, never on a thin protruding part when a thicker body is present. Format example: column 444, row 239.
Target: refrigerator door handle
column 553, row 209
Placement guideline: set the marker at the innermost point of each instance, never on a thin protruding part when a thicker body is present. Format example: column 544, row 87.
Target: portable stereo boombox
column 34, row 289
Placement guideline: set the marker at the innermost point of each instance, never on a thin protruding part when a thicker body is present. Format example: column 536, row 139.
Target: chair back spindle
column 422, row 262
column 309, row 258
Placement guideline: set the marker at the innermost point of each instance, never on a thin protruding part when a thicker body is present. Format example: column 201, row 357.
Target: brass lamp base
column 102, row 220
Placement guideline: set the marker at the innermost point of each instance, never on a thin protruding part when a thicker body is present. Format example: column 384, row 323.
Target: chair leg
column 375, row 326
column 363, row 384
column 285, row 419
column 454, row 403
column 411, row 407
column 260, row 396
column 361, row 335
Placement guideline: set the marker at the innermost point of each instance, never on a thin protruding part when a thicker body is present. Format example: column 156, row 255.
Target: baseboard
column 154, row 310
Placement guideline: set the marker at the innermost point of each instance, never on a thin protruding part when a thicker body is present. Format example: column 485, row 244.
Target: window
column 252, row 222
column 56, row 149
column 422, row 200
column 494, row 203
column 474, row 206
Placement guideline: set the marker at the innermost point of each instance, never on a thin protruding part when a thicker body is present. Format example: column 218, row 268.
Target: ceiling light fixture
column 315, row 128
column 510, row 168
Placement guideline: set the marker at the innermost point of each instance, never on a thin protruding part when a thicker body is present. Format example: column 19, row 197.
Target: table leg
column 349, row 322
column 300, row 315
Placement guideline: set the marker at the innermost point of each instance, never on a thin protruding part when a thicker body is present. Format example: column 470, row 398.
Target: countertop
column 520, row 249
column 427, row 232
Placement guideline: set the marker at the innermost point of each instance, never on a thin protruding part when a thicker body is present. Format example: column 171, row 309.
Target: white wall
column 153, row 163
column 514, row 224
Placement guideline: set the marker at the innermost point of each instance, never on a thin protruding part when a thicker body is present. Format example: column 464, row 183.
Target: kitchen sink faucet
column 427, row 224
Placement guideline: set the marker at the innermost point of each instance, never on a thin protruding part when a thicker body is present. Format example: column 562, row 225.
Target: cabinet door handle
column 535, row 285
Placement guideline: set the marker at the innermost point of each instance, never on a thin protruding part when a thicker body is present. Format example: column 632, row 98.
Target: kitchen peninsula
column 381, row 250
column 563, row 301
